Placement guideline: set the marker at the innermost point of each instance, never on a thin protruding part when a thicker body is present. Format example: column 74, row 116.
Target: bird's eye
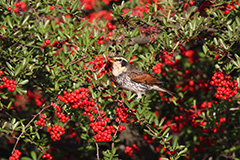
column 124, row 63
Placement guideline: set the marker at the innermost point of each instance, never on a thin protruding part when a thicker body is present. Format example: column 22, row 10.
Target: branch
column 19, row 137
column 97, row 151
column 87, row 22
column 115, row 134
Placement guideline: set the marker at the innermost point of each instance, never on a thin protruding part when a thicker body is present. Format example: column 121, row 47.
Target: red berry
column 52, row 8
column 110, row 34
column 191, row 2
column 106, row 38
column 191, row 82
column 16, row 10
column 44, row 44
column 9, row 8
column 4, row 78
column 47, row 41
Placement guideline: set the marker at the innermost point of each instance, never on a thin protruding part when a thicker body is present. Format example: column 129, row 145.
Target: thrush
column 133, row 79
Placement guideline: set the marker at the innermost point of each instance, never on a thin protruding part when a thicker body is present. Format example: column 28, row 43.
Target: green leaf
column 9, row 66
column 215, row 41
column 37, row 134
column 13, row 121
column 163, row 158
column 237, row 20
column 175, row 143
column 74, row 5
column 25, row 19
column 25, row 158
column 183, row 151
column 64, row 48
column 117, row 140
column 161, row 122
column 156, row 121
column 205, row 48
column 222, row 43
column 9, row 21
column 18, row 69
column 165, row 132
column 34, row 155
column 46, row 23
column 4, row 124
column 9, row 104
column 24, row 82
column 56, row 86
column 15, row 125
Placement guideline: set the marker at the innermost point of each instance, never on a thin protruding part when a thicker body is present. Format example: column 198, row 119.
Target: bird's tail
column 157, row 88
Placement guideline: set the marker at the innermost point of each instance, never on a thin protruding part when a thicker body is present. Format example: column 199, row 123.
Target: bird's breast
column 125, row 82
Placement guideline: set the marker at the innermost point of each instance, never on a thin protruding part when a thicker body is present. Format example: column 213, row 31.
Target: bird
column 128, row 77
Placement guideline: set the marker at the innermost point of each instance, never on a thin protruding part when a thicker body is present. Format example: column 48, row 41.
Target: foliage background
column 51, row 48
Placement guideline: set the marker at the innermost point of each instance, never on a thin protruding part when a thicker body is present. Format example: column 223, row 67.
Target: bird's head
column 119, row 65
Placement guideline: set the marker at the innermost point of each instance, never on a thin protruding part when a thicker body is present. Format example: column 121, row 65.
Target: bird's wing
column 140, row 76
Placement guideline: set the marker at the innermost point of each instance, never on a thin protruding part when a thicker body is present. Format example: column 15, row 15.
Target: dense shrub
column 59, row 100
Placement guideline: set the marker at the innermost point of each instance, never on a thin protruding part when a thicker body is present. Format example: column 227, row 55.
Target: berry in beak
column 112, row 60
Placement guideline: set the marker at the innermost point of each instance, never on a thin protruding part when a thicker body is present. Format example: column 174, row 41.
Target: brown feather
column 140, row 76
column 144, row 78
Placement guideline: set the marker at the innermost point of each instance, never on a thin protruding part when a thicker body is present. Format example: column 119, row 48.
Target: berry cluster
column 103, row 134
column 167, row 58
column 226, row 8
column 71, row 133
column 56, row 131
column 186, row 5
column 230, row 7
column 203, row 142
column 36, row 96
column 20, row 6
column 47, row 156
column 147, row 137
column 121, row 128
column 130, row 150
column 110, row 26
column 191, row 116
column 122, row 114
column 189, row 54
column 98, row 63
column 59, row 113
column 138, row 11
column 161, row 148
column 77, row 98
column 132, row 59
column 80, row 99
column 47, row 42
column 225, row 88
column 41, row 121
column 218, row 124
column 9, row 84
column 157, row 69
column 101, row 39
column 15, row 155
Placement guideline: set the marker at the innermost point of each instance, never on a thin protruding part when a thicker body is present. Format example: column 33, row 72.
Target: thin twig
column 234, row 109
column 87, row 21
column 78, row 60
column 115, row 134
column 150, row 129
column 97, row 151
column 19, row 137
column 100, row 70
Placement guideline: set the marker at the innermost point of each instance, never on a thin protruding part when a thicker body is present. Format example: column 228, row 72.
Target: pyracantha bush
column 59, row 99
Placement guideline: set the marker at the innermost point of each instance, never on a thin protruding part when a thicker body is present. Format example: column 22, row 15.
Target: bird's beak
column 112, row 60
